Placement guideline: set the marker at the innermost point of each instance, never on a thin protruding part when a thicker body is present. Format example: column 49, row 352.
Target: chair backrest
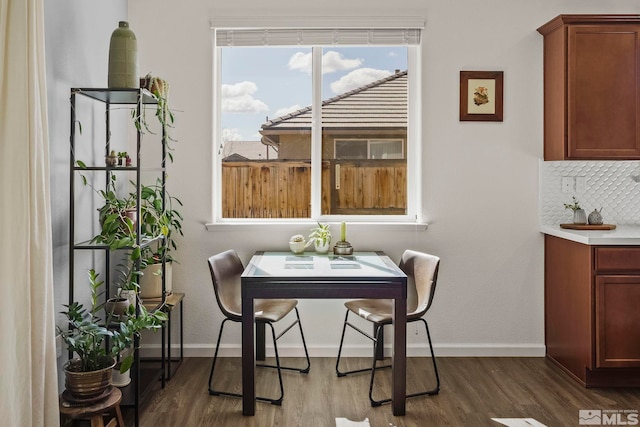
column 422, row 270
column 226, row 269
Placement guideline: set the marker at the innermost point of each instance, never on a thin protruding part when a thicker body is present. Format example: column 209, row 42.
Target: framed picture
column 481, row 96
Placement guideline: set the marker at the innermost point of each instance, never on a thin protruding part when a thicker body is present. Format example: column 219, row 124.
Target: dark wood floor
column 473, row 390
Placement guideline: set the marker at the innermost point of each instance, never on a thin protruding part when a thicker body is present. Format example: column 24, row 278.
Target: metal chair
column 422, row 270
column 226, row 269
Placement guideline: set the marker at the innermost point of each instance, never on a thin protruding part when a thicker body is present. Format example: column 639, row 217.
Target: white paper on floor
column 344, row 422
column 519, row 422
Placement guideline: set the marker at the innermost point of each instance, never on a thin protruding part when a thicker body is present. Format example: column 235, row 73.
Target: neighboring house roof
column 235, row 157
column 246, row 150
column 380, row 104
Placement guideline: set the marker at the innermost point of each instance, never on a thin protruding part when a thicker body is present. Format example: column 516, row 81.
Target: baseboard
column 444, row 350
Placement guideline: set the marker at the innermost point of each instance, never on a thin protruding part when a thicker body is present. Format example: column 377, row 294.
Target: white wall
column 77, row 45
column 480, row 181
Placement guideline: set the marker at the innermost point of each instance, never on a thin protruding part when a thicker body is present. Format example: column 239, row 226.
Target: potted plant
column 124, row 159
column 297, row 244
column 126, row 282
column 118, row 217
column 98, row 344
column 321, row 238
column 159, row 88
column 579, row 215
column 157, row 220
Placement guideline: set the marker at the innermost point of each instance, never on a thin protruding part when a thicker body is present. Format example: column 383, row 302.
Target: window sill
column 288, row 225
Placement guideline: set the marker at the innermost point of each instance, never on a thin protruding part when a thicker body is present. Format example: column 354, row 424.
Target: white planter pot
column 151, row 281
column 118, row 379
column 320, row 248
column 297, row 247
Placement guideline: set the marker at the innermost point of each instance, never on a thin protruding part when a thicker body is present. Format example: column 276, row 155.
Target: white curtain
column 28, row 379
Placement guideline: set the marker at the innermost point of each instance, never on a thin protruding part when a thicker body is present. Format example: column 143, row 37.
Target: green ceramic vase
column 123, row 58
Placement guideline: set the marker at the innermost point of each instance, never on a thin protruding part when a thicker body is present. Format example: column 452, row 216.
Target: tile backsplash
column 608, row 185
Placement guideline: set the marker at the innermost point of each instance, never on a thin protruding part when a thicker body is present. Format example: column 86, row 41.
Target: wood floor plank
column 473, row 390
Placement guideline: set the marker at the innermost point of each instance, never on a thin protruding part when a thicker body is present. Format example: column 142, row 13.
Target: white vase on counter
column 579, row 216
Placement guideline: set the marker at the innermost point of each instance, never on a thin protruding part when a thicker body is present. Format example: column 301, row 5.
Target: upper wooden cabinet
column 592, row 87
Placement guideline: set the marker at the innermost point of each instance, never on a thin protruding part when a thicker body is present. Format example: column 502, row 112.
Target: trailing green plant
column 159, row 88
column 116, row 215
column 320, row 235
column 158, row 219
column 92, row 341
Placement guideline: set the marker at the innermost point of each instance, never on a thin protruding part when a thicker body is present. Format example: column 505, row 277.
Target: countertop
column 622, row 235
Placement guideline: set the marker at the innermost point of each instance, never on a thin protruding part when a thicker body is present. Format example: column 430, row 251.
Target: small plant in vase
column 320, row 236
column 579, row 216
column 297, row 244
column 124, row 159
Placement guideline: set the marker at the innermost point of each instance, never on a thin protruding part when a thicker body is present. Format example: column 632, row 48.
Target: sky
column 267, row 82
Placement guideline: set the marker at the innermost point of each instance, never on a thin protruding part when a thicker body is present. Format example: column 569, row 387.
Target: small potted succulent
column 320, row 236
column 124, row 159
column 297, row 244
column 579, row 216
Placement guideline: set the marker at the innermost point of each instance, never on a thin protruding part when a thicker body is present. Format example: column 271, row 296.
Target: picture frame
column 481, row 94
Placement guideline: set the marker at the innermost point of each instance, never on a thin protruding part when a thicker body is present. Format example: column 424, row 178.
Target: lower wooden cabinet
column 617, row 321
column 592, row 315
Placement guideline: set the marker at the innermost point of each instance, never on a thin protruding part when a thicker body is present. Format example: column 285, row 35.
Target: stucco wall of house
column 295, row 146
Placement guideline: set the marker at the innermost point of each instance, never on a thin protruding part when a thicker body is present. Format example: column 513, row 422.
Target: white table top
column 622, row 235
column 286, row 264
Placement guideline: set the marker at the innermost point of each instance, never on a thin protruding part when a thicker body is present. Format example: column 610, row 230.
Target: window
column 314, row 123
column 369, row 149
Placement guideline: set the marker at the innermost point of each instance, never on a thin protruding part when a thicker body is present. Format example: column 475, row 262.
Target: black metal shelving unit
column 143, row 375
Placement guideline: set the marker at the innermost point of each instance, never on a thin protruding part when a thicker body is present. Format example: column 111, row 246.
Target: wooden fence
column 282, row 189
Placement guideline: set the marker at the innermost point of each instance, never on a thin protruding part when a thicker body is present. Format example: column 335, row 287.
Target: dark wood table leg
column 248, row 361
column 260, row 341
column 399, row 364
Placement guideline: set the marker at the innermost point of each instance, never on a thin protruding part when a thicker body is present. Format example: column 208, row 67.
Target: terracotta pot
column 85, row 385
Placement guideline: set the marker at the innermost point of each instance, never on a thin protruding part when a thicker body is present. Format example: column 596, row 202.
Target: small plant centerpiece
column 579, row 215
column 297, row 244
column 320, row 236
column 343, row 247
column 98, row 344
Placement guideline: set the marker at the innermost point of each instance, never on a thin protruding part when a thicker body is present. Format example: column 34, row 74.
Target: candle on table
column 343, row 231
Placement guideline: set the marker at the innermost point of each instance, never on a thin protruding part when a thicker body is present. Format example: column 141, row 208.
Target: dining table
column 372, row 274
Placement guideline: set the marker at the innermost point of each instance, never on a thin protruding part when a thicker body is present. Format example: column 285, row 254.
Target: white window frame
column 413, row 153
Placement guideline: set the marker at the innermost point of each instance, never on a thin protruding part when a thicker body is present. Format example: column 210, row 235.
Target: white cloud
column 231, row 134
column 300, row 61
column 238, row 98
column 358, row 78
column 332, row 61
column 286, row 110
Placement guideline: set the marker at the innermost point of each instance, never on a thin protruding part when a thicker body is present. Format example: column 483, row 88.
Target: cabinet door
column 617, row 321
column 603, row 112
